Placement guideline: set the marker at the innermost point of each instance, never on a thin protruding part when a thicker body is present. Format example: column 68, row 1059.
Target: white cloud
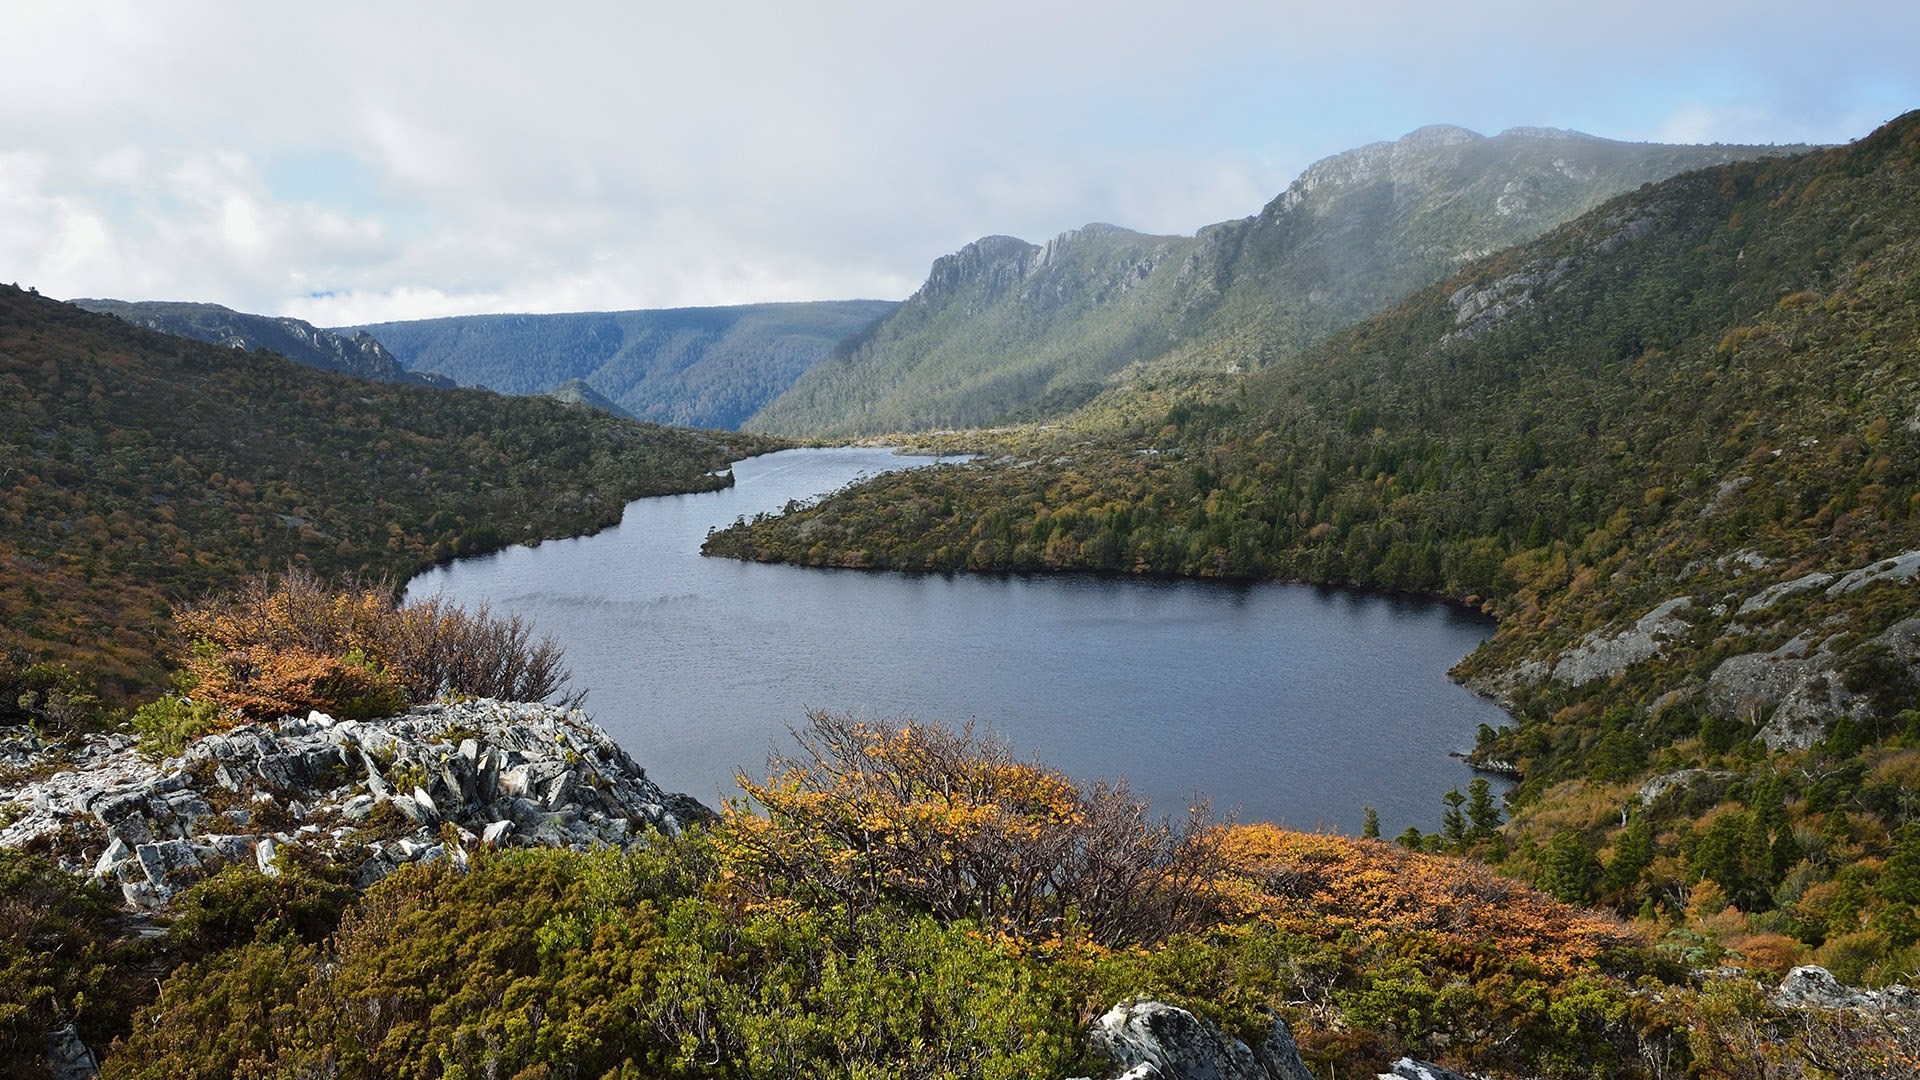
column 356, row 161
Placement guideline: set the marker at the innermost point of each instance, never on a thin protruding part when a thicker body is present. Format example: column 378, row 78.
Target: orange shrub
column 950, row 821
column 291, row 643
column 1327, row 886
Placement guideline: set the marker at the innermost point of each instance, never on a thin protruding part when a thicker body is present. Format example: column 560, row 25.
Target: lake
column 1284, row 703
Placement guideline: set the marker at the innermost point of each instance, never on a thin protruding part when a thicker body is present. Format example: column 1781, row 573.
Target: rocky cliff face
column 1792, row 690
column 302, row 342
column 434, row 783
column 1004, row 329
column 992, row 264
column 578, row 393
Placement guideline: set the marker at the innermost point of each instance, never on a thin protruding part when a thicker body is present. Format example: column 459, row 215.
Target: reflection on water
column 1289, row 703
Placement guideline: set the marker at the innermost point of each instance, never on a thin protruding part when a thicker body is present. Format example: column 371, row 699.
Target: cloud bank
column 354, row 162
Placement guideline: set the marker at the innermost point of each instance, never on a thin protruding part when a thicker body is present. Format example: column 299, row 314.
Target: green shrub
column 240, row 904
column 165, row 726
column 62, row 959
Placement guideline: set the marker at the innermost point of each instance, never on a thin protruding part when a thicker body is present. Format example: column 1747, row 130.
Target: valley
column 1651, row 409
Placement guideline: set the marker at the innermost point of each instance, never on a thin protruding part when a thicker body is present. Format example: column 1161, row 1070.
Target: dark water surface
column 1290, row 703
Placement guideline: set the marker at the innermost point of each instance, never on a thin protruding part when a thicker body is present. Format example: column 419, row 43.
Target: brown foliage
column 1331, row 885
column 290, row 643
column 949, row 820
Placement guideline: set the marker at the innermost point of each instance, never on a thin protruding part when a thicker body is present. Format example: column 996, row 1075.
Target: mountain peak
column 1436, row 135
column 1524, row 132
column 999, row 261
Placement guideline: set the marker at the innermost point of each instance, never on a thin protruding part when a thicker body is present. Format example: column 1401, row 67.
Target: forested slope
column 698, row 367
column 1633, row 439
column 138, row 469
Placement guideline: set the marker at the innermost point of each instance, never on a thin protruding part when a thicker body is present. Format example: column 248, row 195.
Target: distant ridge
column 297, row 340
column 699, row 367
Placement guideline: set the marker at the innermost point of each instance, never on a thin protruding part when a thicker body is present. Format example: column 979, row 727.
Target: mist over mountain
column 697, row 367
column 1007, row 330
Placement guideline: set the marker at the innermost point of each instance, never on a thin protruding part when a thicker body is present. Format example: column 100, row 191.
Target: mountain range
column 1674, row 445
column 697, row 367
column 1006, row 330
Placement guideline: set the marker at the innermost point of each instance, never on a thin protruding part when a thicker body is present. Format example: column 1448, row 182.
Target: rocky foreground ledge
column 433, row 783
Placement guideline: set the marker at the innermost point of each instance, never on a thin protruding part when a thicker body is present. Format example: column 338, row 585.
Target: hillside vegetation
column 696, row 367
column 138, row 470
column 295, row 339
column 1633, row 439
column 785, row 942
column 1007, row 330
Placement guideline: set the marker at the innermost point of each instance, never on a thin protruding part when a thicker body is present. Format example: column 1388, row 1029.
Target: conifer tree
column 1569, row 869
column 1453, row 824
column 1482, row 812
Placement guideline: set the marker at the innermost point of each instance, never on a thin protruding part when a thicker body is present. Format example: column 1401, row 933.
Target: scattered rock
column 1153, row 1039
column 517, row 774
column 1409, row 1069
column 1812, row 987
column 67, row 1057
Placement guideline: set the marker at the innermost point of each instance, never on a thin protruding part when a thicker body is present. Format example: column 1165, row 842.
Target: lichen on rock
column 428, row 784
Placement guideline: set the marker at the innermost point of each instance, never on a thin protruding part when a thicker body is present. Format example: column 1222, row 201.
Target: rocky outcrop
column 1681, row 780
column 1601, row 655
column 1904, row 567
column 1793, row 691
column 995, row 264
column 1812, row 987
column 1153, row 1039
column 1480, row 307
column 431, row 784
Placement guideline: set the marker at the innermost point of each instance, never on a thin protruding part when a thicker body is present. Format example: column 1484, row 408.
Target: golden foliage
column 1330, row 885
column 286, row 644
column 949, row 820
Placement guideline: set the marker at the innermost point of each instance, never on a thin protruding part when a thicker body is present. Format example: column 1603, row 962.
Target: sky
column 347, row 162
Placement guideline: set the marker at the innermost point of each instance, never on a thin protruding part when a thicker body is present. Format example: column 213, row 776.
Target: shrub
column 165, row 726
column 950, row 822
column 62, row 959
column 53, row 698
column 240, row 905
column 290, row 643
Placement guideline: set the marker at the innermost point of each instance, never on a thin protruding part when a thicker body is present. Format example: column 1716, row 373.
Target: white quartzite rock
column 526, row 774
column 1816, row 988
column 1152, row 1039
column 1601, row 655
